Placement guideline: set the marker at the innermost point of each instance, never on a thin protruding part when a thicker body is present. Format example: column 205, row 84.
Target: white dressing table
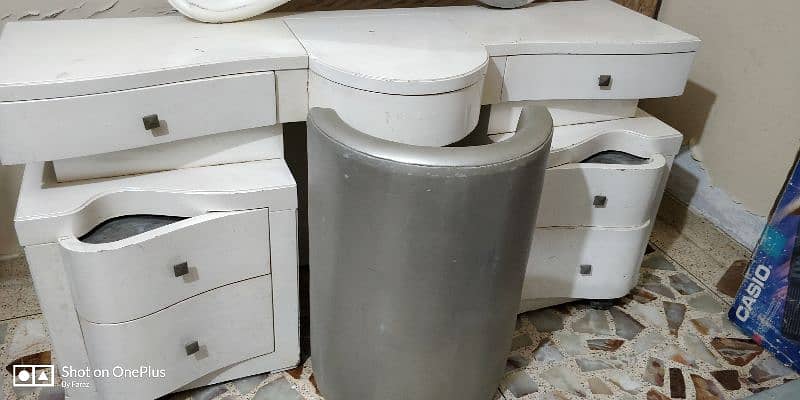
column 169, row 117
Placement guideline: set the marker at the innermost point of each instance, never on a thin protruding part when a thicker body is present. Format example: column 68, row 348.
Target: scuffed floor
column 669, row 338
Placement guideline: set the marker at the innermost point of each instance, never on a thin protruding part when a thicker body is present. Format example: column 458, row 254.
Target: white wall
column 14, row 10
column 741, row 106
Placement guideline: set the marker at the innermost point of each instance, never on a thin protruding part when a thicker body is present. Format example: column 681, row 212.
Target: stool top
column 534, row 134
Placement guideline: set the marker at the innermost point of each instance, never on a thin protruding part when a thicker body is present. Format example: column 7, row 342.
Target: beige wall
column 741, row 106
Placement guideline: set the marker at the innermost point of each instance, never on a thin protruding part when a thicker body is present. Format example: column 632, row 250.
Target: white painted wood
column 570, row 27
column 63, row 58
column 131, row 278
column 48, row 210
column 615, row 255
column 101, row 123
column 569, row 190
column 232, row 324
column 392, row 53
column 570, row 186
column 570, row 76
column 292, row 95
column 493, row 83
column 409, row 52
column 224, row 148
column 434, row 120
column 642, row 136
column 571, row 232
column 55, row 299
column 283, row 233
column 285, row 288
column 536, row 304
column 504, row 116
column 282, row 248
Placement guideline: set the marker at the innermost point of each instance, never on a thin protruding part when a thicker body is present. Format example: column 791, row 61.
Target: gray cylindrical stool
column 417, row 259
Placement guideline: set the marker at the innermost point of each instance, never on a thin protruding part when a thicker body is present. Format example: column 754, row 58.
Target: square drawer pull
column 600, row 201
column 151, row 122
column 192, row 348
column 604, row 81
column 181, row 269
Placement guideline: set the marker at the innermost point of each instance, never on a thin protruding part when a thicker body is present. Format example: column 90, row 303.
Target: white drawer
column 100, row 123
column 133, row 277
column 230, row 324
column 554, row 264
column 605, row 195
column 573, row 76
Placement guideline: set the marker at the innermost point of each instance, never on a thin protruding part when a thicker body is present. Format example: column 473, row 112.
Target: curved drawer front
column 423, row 120
column 605, row 195
column 100, row 123
column 187, row 341
column 130, row 278
column 611, row 255
column 596, row 76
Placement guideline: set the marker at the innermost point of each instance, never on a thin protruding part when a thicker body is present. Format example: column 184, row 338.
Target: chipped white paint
column 15, row 10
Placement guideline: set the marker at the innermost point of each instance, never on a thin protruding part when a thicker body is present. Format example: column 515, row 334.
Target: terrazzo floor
column 669, row 338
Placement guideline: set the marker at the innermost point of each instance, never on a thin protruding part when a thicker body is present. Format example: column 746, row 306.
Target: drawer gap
column 480, row 135
column 615, row 157
column 119, row 228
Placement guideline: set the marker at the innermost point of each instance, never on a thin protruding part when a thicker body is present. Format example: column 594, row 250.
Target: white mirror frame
column 217, row 11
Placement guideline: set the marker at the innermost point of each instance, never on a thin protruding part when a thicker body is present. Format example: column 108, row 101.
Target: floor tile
column 680, row 250
column 26, row 341
column 18, row 297
column 280, row 389
column 700, row 232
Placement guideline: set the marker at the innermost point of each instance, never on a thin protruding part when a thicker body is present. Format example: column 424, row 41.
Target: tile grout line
column 712, row 290
column 699, row 215
column 21, row 317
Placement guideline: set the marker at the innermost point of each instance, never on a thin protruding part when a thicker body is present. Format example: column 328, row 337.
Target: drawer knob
column 604, row 81
column 151, row 122
column 600, row 201
column 192, row 348
column 181, row 269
